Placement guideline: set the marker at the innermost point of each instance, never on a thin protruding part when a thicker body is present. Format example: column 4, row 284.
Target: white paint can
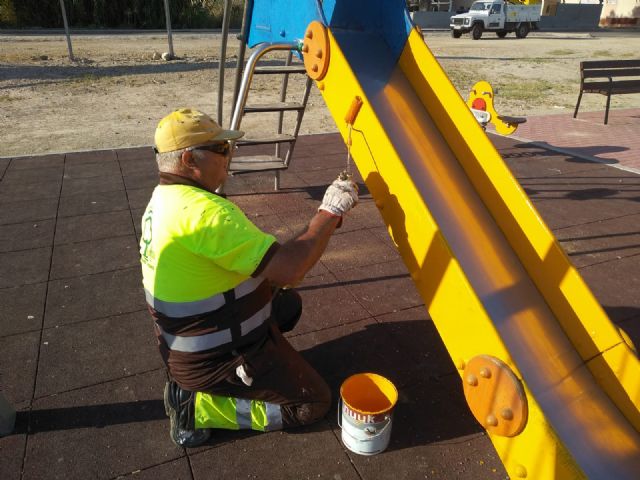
column 366, row 412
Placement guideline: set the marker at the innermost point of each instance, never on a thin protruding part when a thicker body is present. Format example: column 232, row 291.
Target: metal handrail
column 247, row 76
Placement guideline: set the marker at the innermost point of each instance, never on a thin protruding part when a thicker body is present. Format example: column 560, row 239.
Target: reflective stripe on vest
column 188, row 309
column 208, row 341
column 214, row 411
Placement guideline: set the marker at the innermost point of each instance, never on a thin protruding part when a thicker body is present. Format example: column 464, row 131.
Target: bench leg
column 575, row 113
column 606, row 112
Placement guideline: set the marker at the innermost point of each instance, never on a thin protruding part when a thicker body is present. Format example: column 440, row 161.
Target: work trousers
column 281, row 381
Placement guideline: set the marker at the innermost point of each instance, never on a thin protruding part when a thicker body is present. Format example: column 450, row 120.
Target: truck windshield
column 480, row 6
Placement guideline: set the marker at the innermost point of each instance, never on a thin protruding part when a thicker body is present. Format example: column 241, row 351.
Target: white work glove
column 340, row 197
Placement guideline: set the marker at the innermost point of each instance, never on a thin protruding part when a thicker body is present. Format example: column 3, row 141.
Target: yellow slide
column 544, row 370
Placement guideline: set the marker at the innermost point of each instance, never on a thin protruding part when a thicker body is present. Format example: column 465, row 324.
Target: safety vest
column 198, row 253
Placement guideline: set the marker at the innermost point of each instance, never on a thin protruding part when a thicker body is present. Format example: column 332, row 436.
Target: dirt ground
column 115, row 92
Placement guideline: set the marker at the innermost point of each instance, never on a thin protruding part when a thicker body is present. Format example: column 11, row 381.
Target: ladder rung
column 268, row 69
column 277, row 138
column 256, row 163
column 274, row 107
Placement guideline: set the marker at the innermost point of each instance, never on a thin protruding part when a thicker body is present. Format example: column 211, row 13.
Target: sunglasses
column 219, row 148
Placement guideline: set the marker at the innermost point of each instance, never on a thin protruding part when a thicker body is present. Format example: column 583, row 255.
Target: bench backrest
column 610, row 68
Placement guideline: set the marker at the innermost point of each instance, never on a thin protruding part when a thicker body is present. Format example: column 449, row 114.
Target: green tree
column 7, row 13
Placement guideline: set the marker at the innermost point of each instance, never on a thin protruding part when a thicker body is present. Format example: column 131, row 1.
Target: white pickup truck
column 496, row 16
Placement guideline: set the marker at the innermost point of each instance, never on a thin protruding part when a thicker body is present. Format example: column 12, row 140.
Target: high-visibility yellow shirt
column 196, row 244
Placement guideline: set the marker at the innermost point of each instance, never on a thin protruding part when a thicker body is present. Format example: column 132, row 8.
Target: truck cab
column 497, row 16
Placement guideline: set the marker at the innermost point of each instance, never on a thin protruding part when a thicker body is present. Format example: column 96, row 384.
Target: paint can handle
column 340, row 412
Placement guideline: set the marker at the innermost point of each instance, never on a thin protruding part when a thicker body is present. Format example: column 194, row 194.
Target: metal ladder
column 283, row 143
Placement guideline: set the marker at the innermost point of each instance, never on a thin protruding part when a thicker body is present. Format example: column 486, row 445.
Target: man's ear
column 187, row 160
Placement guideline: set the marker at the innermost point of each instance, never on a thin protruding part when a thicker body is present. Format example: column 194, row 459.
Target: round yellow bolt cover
column 317, row 41
column 496, row 390
column 520, row 471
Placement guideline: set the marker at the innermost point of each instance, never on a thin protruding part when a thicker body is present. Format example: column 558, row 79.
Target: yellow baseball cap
column 188, row 127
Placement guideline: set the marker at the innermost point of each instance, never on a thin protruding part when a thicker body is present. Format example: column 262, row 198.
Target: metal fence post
column 66, row 30
column 169, row 34
column 226, row 18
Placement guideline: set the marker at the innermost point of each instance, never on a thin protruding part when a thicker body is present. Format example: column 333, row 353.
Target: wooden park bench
column 612, row 71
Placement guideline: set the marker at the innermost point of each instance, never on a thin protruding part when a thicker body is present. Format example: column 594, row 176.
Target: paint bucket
column 366, row 412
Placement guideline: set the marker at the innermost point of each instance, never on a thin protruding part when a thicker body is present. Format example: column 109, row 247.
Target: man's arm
column 294, row 259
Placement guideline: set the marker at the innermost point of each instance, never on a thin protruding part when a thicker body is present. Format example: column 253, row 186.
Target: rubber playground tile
column 416, row 334
column 141, row 180
column 501, row 141
column 22, row 309
column 601, row 241
column 96, row 351
column 383, row 234
column 136, row 215
column 23, row 236
column 341, row 254
column 11, row 455
column 79, row 186
column 265, row 183
column 93, row 227
column 253, row 204
column 334, row 145
column 313, row 164
column 27, row 266
column 300, row 200
column 326, row 303
column 4, row 163
column 381, row 288
column 90, row 203
column 139, row 198
column 433, row 435
column 298, row 221
column 96, row 256
column 38, row 161
column 563, row 213
column 310, row 452
column 28, row 211
column 33, row 175
column 362, row 346
column 365, row 215
column 174, row 470
column 90, row 170
column 139, row 167
column 15, row 192
column 536, row 162
column 94, row 296
column 135, row 154
column 598, row 182
column 616, row 285
column 273, row 225
column 92, row 156
column 102, row 431
column 18, row 361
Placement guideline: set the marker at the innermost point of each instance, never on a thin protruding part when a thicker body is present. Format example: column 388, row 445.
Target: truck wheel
column 523, row 30
column 456, row 33
column 501, row 33
column 476, row 31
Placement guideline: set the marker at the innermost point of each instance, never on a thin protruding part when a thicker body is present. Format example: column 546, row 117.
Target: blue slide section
column 286, row 20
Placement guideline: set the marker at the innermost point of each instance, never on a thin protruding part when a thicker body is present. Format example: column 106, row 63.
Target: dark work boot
column 179, row 405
